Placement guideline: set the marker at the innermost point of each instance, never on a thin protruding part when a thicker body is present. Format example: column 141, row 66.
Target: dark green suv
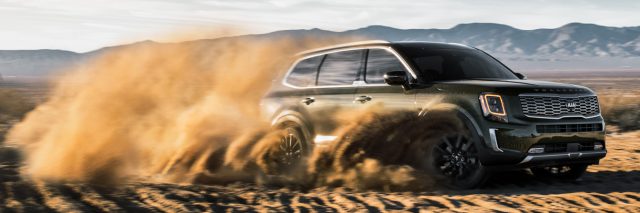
column 554, row 129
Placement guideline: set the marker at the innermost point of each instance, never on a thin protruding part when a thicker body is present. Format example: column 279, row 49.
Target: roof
column 431, row 45
column 345, row 45
column 434, row 45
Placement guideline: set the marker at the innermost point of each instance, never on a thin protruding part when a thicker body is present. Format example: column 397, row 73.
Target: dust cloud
column 189, row 113
column 384, row 150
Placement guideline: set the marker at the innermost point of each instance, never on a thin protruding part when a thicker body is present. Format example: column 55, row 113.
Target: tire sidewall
column 479, row 176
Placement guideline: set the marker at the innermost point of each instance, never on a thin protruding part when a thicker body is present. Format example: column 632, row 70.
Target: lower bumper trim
column 564, row 156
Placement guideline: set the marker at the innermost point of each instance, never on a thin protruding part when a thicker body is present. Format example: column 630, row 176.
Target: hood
column 518, row 86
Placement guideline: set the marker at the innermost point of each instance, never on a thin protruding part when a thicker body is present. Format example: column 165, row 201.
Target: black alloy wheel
column 455, row 157
column 290, row 148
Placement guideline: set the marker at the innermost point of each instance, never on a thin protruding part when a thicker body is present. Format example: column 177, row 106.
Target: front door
column 373, row 89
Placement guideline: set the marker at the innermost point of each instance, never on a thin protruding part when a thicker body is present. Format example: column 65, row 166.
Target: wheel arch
column 291, row 116
column 468, row 111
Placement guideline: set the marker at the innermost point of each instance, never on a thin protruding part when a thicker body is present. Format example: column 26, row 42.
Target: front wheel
column 562, row 172
column 454, row 160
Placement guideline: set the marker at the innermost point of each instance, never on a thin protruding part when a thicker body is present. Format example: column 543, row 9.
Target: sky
column 85, row 25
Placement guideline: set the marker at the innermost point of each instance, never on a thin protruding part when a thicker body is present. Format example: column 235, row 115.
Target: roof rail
column 460, row 44
column 344, row 45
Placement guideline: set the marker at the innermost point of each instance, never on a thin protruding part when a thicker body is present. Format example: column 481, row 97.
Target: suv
column 554, row 129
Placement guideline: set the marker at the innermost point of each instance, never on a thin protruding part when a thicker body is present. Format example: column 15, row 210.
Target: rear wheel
column 454, row 159
column 563, row 172
column 292, row 148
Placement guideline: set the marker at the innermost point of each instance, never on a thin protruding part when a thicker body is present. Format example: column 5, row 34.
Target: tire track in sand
column 612, row 186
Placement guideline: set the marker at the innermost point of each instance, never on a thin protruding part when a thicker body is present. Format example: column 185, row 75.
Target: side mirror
column 520, row 75
column 395, row 78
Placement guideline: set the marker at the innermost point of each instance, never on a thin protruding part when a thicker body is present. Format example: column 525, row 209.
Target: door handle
column 308, row 100
column 362, row 99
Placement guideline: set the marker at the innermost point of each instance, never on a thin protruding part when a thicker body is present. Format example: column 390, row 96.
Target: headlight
column 493, row 107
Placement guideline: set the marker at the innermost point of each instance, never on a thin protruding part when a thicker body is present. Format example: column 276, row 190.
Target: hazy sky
column 83, row 25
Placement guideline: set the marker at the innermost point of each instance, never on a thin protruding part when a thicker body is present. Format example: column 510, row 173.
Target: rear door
column 374, row 90
column 334, row 90
column 295, row 88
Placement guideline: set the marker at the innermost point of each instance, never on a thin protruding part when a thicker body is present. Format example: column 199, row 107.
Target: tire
column 454, row 160
column 292, row 148
column 561, row 172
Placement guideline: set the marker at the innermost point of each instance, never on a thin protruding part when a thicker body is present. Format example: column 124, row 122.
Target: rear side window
column 380, row 62
column 304, row 73
column 341, row 68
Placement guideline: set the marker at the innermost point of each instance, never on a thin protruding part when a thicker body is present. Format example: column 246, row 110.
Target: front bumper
column 508, row 145
column 587, row 157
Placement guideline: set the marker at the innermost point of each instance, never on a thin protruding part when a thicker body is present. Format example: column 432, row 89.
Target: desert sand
column 614, row 185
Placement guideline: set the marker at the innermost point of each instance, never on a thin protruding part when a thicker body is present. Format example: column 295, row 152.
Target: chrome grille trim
column 554, row 106
column 569, row 128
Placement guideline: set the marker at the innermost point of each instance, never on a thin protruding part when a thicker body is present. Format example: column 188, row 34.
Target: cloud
column 117, row 21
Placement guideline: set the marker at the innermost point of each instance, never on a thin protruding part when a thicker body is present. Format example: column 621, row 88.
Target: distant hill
column 573, row 39
column 35, row 62
column 570, row 47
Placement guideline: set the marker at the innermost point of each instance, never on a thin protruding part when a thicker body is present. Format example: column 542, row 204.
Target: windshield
column 455, row 64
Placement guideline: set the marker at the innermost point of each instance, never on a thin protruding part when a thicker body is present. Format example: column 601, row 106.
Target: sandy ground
column 614, row 185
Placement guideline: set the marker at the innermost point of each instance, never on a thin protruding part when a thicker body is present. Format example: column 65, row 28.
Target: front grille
column 586, row 146
column 551, row 148
column 557, row 107
column 563, row 147
column 559, row 128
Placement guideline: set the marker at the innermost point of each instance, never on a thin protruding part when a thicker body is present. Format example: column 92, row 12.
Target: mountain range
column 574, row 46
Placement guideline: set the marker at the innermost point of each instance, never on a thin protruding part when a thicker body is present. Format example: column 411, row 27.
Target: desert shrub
column 621, row 112
column 13, row 105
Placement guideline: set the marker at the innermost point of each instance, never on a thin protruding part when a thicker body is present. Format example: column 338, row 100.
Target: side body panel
column 389, row 97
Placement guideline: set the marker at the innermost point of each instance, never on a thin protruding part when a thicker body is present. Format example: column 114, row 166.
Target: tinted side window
column 304, row 73
column 455, row 63
column 477, row 66
column 380, row 62
column 431, row 66
column 340, row 68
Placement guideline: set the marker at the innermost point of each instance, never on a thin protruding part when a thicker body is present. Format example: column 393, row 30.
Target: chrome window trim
column 354, row 84
column 345, row 45
column 398, row 57
column 561, row 96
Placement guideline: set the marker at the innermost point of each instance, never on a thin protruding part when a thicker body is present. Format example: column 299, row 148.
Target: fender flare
column 291, row 116
column 490, row 140
column 468, row 120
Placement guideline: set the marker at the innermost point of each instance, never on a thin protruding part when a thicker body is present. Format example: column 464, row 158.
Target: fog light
column 598, row 146
column 536, row 149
